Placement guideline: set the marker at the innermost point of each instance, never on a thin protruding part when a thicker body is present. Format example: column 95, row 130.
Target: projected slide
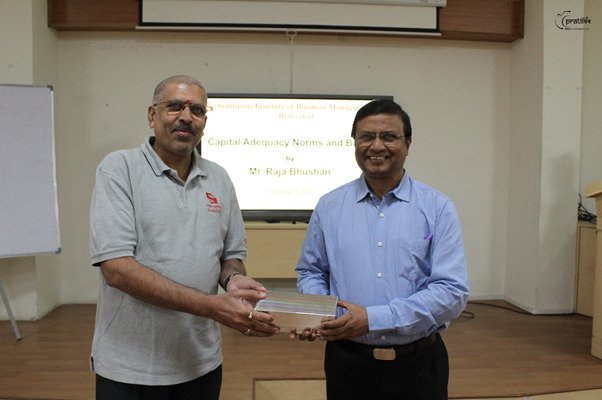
column 282, row 153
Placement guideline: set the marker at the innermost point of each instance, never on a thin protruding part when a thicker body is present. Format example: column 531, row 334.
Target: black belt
column 389, row 353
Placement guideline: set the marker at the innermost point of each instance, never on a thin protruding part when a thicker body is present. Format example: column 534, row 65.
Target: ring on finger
column 247, row 332
column 250, row 315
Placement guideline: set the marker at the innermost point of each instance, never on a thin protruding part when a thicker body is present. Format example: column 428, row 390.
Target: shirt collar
column 361, row 189
column 159, row 167
column 196, row 169
column 401, row 191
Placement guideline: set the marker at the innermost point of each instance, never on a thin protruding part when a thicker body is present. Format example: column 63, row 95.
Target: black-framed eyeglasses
column 388, row 138
column 176, row 107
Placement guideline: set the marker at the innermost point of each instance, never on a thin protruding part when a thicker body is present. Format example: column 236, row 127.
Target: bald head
column 176, row 79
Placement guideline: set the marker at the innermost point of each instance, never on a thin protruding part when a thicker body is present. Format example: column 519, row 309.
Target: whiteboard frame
column 45, row 233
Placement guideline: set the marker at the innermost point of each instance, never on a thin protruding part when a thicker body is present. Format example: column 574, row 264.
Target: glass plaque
column 298, row 311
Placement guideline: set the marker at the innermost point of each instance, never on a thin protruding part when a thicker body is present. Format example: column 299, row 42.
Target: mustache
column 184, row 128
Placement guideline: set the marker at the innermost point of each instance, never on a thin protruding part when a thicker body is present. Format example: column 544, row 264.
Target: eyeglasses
column 388, row 138
column 175, row 107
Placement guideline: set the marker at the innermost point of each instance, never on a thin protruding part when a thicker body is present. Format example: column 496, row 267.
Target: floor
column 304, row 389
column 496, row 351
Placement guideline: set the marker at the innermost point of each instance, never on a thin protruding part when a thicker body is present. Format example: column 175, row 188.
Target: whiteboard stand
column 9, row 312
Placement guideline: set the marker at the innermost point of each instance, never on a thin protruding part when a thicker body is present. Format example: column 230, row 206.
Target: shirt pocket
column 411, row 259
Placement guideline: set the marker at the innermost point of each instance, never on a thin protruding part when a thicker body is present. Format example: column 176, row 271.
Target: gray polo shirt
column 182, row 230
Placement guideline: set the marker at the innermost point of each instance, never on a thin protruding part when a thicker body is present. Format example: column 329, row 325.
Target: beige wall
column 545, row 129
column 45, row 66
column 463, row 97
column 591, row 122
column 526, row 159
column 561, row 138
column 456, row 92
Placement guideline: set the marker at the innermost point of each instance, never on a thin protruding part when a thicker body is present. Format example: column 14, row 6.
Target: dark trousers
column 422, row 375
column 207, row 387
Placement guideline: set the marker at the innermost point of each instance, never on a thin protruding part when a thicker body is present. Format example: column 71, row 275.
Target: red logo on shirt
column 213, row 205
column 211, row 197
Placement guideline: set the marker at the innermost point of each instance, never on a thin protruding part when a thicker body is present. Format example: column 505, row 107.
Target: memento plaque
column 296, row 310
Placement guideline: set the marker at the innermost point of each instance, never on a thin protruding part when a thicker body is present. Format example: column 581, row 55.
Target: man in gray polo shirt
column 166, row 230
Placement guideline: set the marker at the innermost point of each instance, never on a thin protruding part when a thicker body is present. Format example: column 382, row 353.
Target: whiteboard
column 28, row 194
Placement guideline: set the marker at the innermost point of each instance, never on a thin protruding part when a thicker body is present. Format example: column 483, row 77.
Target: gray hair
column 177, row 79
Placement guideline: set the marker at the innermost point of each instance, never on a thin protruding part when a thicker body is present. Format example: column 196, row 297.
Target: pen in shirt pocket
column 429, row 236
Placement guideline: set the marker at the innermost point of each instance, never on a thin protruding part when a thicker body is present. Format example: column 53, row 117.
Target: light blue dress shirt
column 401, row 257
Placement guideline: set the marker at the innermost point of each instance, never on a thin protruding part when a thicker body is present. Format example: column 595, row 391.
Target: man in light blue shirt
column 391, row 249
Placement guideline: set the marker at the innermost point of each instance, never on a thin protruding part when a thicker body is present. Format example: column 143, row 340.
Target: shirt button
column 380, row 244
column 382, row 215
column 380, row 275
column 383, row 337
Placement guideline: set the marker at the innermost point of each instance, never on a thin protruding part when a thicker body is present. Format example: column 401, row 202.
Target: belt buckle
column 383, row 354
